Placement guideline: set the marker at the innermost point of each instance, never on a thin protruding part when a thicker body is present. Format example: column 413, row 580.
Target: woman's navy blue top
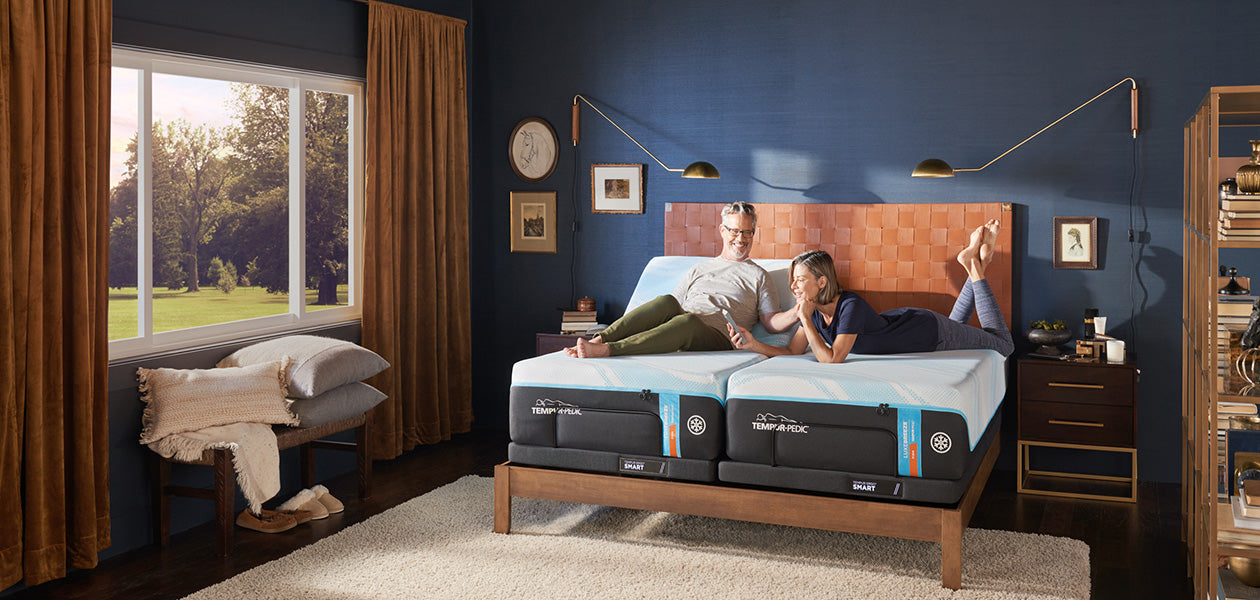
column 890, row 332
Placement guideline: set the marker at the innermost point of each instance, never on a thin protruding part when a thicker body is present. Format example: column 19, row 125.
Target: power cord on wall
column 573, row 231
column 1135, row 258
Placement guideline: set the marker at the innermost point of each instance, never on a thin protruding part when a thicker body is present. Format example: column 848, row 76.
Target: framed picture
column 617, row 189
column 533, row 149
column 533, row 222
column 1076, row 242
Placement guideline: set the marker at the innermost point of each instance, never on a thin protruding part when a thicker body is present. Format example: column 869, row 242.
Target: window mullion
column 297, row 201
column 144, row 208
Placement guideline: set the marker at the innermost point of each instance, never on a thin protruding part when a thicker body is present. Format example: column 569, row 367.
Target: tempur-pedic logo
column 547, row 406
column 778, row 423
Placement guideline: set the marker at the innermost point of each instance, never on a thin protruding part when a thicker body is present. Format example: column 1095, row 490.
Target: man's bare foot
column 572, row 352
column 591, row 349
column 989, row 239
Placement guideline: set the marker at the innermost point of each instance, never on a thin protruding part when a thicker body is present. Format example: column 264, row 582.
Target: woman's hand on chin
column 805, row 309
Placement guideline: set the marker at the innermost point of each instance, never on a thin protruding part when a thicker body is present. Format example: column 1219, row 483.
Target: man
column 691, row 317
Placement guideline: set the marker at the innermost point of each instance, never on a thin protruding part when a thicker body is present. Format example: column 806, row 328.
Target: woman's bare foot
column 968, row 255
column 571, row 352
column 591, row 348
column 989, row 239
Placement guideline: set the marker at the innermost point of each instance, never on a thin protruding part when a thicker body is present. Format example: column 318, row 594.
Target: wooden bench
column 224, row 491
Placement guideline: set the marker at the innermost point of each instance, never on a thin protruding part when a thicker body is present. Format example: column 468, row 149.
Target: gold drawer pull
column 1088, row 386
column 1075, row 423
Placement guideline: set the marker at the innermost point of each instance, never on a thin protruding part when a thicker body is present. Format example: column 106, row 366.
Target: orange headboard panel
column 894, row 255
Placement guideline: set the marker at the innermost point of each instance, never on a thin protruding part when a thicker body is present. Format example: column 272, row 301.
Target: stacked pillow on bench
column 325, row 378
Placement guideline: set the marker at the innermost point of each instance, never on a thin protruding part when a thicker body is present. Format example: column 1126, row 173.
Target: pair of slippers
column 307, row 505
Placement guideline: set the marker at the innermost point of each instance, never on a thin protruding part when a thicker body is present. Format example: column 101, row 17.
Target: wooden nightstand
column 1081, row 406
column 546, row 343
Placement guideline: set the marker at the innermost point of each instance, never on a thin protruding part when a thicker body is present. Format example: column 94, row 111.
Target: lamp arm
column 1133, row 120
column 576, row 97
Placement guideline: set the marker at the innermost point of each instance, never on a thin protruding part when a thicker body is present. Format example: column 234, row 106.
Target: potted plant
column 1049, row 334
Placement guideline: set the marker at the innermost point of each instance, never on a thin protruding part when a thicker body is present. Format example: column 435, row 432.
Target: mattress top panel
column 690, row 373
column 971, row 383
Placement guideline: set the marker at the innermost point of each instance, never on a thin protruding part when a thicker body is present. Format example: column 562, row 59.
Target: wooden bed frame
column 941, row 524
column 893, row 255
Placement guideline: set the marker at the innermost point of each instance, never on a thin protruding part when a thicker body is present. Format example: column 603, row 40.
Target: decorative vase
column 1247, row 570
column 1248, row 177
column 586, row 303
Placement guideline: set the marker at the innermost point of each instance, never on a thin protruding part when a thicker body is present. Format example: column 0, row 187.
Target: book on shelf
column 1230, row 236
column 577, row 315
column 1236, row 408
column 1233, row 223
column 1241, row 202
column 1238, row 214
column 1235, row 306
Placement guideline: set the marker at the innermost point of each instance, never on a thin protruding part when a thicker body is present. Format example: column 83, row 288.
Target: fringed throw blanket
column 255, row 455
column 189, row 411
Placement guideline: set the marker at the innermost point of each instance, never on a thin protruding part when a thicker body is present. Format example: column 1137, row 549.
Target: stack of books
column 1240, row 218
column 577, row 321
column 1232, row 316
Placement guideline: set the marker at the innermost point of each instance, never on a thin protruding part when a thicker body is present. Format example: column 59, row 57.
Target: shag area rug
column 440, row 545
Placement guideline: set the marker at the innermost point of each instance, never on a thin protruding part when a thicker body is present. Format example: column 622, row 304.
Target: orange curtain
column 415, row 298
column 54, row 256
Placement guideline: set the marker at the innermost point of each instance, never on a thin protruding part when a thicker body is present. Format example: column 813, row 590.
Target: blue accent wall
column 816, row 101
column 821, row 101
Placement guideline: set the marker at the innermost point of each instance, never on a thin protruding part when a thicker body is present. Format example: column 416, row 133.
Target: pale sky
column 196, row 100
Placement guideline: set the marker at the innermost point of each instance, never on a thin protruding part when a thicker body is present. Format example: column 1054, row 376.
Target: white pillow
column 319, row 363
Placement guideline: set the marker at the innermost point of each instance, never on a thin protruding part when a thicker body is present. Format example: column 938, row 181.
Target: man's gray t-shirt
column 743, row 288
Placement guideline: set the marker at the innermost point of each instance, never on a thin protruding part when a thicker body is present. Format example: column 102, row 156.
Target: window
column 235, row 201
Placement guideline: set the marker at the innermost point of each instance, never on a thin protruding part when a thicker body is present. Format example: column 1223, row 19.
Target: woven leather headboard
column 894, row 255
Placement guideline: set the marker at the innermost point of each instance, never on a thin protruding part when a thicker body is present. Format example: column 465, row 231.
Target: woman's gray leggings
column 955, row 334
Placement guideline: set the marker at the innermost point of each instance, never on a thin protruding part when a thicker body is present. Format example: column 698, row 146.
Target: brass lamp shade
column 933, row 167
column 701, row 170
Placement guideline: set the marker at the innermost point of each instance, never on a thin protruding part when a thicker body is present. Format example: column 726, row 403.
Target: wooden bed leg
column 951, row 549
column 502, row 499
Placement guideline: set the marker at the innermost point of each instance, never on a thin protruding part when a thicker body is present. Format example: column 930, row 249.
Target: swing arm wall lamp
column 696, row 170
column 935, row 167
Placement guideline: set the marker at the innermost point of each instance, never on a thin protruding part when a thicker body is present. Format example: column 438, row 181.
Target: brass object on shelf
column 1247, row 570
column 1248, row 422
column 1247, row 366
column 1248, row 177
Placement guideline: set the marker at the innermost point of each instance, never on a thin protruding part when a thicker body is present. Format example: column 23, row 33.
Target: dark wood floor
column 1134, row 550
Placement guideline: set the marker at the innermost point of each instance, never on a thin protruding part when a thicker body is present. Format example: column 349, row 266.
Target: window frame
column 298, row 317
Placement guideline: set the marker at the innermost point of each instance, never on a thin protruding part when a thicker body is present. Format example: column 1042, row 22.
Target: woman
column 835, row 322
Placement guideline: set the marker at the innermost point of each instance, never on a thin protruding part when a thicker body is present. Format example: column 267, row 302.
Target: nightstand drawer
column 1076, row 423
column 1083, row 384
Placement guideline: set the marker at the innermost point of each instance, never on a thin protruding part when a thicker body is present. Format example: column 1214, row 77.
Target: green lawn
column 179, row 309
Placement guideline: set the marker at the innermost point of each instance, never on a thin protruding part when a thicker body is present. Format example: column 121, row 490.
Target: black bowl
column 1049, row 337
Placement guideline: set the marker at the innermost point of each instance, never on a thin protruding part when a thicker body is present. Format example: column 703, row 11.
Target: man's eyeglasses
column 739, row 232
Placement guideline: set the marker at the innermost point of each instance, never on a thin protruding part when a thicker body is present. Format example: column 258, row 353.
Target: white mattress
column 971, row 383
column 690, row 373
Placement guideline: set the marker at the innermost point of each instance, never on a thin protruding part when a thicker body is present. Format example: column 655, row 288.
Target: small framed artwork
column 533, row 222
column 617, row 189
column 1076, row 242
